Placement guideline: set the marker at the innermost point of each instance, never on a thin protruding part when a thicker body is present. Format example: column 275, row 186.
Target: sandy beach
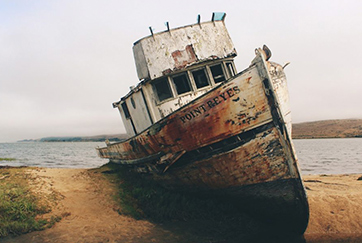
column 335, row 208
column 90, row 215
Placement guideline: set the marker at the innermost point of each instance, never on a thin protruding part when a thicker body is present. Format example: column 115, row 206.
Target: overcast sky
column 62, row 63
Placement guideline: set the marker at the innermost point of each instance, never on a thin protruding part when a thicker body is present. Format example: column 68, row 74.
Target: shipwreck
column 196, row 124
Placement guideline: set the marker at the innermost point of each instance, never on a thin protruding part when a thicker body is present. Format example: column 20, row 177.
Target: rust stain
column 184, row 57
column 167, row 71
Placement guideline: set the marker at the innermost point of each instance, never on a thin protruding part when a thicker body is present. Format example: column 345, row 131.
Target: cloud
column 62, row 63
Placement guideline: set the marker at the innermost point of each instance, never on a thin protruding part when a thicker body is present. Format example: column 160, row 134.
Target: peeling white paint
column 172, row 50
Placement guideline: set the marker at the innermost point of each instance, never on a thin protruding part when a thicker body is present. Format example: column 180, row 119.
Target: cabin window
column 125, row 110
column 217, row 73
column 182, row 83
column 163, row 89
column 133, row 103
column 230, row 68
column 200, row 78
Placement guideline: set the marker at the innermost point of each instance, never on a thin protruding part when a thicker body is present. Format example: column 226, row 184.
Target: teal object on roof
column 218, row 16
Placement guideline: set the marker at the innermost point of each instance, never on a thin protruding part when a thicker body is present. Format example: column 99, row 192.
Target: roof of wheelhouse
column 175, row 49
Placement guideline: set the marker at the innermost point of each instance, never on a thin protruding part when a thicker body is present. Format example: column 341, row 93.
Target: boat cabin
column 175, row 67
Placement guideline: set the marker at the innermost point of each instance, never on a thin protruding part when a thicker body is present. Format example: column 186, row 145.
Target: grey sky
column 62, row 63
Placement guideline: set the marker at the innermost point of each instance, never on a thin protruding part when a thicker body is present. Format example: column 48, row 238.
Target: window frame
column 222, row 69
column 158, row 81
column 204, row 69
column 231, row 72
column 186, row 74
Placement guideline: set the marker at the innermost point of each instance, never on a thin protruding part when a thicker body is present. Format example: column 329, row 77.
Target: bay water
column 329, row 156
column 52, row 154
column 316, row 156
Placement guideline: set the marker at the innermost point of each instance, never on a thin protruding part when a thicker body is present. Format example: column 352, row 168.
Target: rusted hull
column 253, row 173
column 235, row 141
column 256, row 158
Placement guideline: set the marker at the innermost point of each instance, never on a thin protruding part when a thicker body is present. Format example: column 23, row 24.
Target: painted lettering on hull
column 209, row 104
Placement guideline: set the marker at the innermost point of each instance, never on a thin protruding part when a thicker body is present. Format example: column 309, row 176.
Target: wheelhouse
column 175, row 67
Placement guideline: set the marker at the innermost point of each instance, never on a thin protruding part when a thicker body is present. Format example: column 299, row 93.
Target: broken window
column 182, row 83
column 230, row 68
column 200, row 78
column 163, row 89
column 125, row 110
column 217, row 73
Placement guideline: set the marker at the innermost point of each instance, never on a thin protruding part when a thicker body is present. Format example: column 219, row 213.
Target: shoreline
column 90, row 213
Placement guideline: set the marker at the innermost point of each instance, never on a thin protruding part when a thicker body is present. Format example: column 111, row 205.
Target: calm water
column 316, row 156
column 329, row 156
column 61, row 154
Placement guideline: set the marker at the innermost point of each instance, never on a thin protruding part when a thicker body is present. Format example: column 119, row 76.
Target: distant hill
column 347, row 128
column 98, row 138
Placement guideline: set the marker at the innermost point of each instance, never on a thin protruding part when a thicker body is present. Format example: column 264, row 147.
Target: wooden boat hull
column 234, row 141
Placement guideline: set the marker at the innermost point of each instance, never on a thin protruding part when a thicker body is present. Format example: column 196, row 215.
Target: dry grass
column 349, row 128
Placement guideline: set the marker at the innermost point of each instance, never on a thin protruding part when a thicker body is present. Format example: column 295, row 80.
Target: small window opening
column 182, row 83
column 163, row 89
column 125, row 110
column 133, row 103
column 200, row 78
column 217, row 73
column 230, row 67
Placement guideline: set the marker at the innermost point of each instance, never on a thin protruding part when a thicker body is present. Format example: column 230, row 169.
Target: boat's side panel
column 279, row 83
column 234, row 107
column 249, row 163
column 237, row 106
column 127, row 122
column 138, row 111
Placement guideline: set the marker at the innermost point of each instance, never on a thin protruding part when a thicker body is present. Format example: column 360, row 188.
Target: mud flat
column 89, row 214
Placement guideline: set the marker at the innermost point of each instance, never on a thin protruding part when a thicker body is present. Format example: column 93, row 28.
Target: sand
column 90, row 215
column 335, row 203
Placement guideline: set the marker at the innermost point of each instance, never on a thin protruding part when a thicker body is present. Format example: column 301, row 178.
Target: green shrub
column 7, row 159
